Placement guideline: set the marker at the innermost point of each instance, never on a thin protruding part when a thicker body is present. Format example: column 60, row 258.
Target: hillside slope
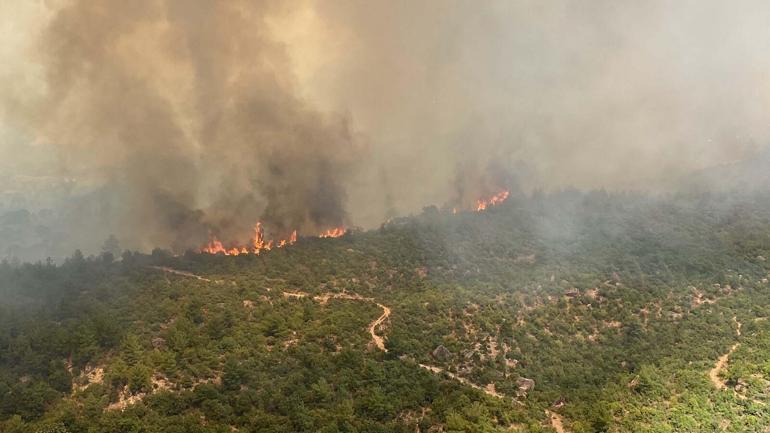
column 575, row 312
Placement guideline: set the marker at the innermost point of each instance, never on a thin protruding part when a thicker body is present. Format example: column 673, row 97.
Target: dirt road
column 556, row 421
column 379, row 341
column 489, row 390
column 182, row 273
column 722, row 360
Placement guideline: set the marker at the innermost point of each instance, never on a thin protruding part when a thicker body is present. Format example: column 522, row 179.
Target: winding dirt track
column 557, row 422
column 322, row 299
column 378, row 340
column 182, row 273
column 555, row 419
column 490, row 390
column 722, row 360
column 719, row 366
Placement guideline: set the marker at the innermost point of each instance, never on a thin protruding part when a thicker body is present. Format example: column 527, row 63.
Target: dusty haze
column 166, row 121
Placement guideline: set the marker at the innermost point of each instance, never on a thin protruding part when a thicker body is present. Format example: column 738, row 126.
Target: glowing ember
column 333, row 233
column 492, row 201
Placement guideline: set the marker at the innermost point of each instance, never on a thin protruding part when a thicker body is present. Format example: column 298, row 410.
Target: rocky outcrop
column 441, row 353
column 525, row 385
column 572, row 293
column 159, row 343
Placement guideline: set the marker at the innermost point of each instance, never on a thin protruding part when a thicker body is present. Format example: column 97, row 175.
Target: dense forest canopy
column 581, row 311
column 431, row 216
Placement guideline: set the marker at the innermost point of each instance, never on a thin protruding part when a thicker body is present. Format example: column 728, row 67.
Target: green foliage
column 139, row 379
column 617, row 306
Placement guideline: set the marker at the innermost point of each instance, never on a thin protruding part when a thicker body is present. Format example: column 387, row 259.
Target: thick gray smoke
column 183, row 115
column 164, row 121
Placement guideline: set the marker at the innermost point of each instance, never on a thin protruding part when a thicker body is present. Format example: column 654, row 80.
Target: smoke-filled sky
column 164, row 121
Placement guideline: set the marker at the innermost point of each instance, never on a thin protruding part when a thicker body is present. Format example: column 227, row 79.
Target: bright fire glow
column 492, row 201
column 333, row 233
column 259, row 244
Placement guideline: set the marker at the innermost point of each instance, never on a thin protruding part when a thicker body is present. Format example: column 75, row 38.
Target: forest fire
column 482, row 204
column 332, row 233
column 259, row 244
column 492, row 201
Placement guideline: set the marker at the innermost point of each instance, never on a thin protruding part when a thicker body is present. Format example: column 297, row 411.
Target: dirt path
column 556, row 421
column 719, row 366
column 378, row 341
column 722, row 361
column 182, row 273
column 489, row 390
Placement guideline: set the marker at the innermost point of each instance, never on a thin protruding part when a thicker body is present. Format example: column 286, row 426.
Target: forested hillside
column 576, row 312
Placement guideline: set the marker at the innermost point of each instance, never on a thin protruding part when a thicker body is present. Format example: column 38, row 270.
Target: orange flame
column 333, row 233
column 259, row 236
column 215, row 247
column 290, row 241
column 492, row 201
column 258, row 245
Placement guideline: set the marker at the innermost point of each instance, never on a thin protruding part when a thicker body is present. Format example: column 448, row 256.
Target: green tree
column 139, row 379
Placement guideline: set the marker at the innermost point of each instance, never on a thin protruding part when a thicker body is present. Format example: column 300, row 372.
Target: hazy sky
column 316, row 113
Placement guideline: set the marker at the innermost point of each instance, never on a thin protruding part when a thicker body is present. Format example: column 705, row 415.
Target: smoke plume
column 167, row 121
column 184, row 114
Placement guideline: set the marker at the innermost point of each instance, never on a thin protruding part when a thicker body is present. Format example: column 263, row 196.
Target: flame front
column 492, row 201
column 260, row 244
column 333, row 233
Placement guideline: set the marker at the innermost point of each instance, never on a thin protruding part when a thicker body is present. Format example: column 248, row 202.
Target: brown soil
column 722, row 361
column 556, row 422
